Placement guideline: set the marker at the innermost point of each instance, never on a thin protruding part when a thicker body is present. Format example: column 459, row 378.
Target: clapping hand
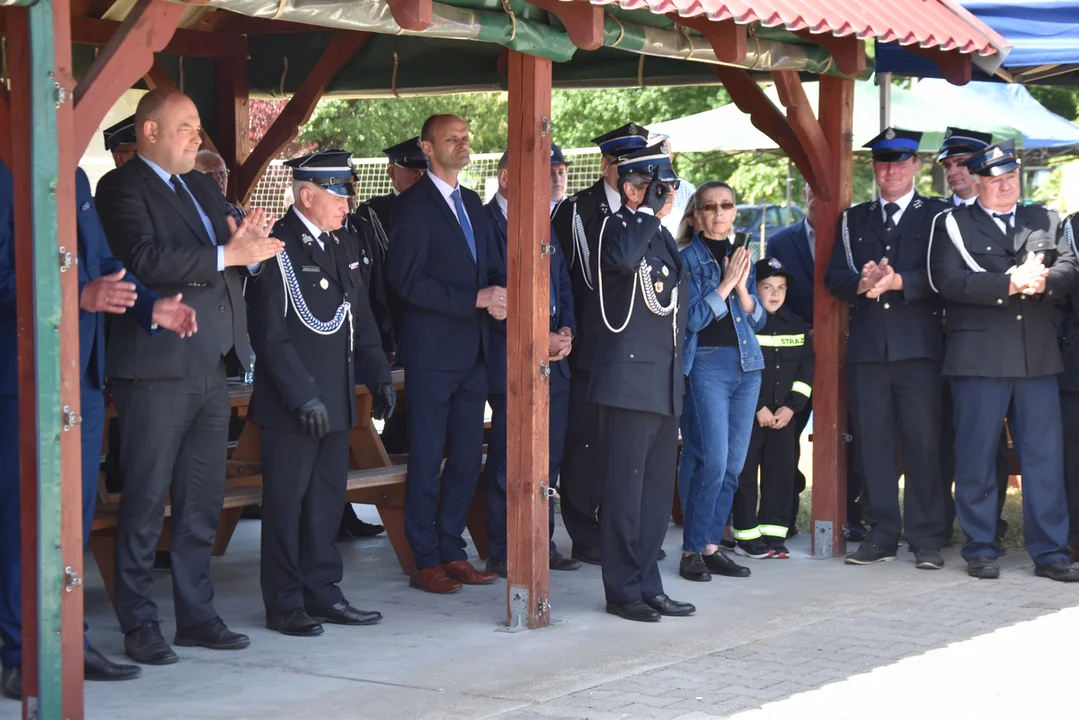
column 736, row 273
column 250, row 242
column 108, row 293
column 171, row 314
column 1029, row 278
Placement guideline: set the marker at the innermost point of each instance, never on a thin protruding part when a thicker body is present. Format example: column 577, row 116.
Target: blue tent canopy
column 1044, row 35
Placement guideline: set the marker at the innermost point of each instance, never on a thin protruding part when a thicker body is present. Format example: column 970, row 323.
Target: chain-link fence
column 274, row 191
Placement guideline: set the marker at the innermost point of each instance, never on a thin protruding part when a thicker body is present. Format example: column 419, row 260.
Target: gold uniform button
column 999, row 301
column 324, row 283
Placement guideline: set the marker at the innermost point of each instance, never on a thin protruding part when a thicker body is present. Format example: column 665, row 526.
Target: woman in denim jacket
column 723, row 363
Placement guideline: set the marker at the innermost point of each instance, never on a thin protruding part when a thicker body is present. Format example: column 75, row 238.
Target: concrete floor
column 796, row 629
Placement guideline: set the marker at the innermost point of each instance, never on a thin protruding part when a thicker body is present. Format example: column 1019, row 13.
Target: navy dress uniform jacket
column 431, row 268
column 903, row 324
column 295, row 364
column 590, row 207
column 639, row 368
column 165, row 245
column 992, row 333
column 372, row 258
column 791, row 247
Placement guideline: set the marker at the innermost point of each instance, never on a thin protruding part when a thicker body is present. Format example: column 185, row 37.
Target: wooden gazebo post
column 528, row 237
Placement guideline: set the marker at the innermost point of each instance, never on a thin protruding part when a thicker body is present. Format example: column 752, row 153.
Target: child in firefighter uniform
column 786, row 384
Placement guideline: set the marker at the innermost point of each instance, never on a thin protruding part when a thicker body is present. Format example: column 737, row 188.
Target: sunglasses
column 716, row 207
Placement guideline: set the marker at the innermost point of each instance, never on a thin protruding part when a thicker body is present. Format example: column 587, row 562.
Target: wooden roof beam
column 808, row 130
column 412, row 14
column 956, row 67
column 766, row 117
column 583, row 21
column 5, row 126
column 848, row 52
column 126, row 57
column 342, row 49
column 727, row 38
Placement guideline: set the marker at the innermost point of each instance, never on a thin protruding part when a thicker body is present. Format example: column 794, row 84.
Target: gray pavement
column 801, row 638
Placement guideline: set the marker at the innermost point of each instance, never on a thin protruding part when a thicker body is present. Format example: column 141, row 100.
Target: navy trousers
column 494, row 472
column 445, row 420
column 1069, row 408
column 981, row 405
column 582, row 469
column 92, row 427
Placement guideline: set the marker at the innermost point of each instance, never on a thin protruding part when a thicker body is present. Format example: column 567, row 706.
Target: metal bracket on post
column 822, row 536
column 546, row 127
column 546, row 248
column 71, row 418
column 543, row 606
column 545, row 370
column 71, row 579
column 518, row 608
column 67, row 260
column 61, row 94
column 847, row 438
column 546, row 491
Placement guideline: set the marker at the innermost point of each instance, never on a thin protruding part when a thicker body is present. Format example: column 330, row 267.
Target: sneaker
column 719, row 564
column 728, row 544
column 869, row 554
column 692, row 567
column 928, row 560
column 755, row 549
column 779, row 551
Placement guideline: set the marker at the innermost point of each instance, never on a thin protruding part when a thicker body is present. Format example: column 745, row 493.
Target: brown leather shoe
column 462, row 571
column 434, row 580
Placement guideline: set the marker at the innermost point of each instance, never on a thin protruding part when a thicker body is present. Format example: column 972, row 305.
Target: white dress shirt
column 902, row 202
column 446, row 190
column 503, row 205
column 1000, row 223
column 315, row 232
column 958, row 201
column 614, row 199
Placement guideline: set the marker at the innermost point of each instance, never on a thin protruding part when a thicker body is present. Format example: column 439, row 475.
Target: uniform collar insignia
column 307, row 239
column 874, row 205
column 917, row 203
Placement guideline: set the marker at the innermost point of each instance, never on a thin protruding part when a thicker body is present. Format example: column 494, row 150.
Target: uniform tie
column 889, row 210
column 1005, row 218
column 462, row 217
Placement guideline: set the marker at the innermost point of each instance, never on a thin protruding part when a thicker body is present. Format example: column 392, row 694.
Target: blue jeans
column 717, row 422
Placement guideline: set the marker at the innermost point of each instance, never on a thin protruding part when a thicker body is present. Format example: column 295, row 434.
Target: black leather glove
column 314, row 417
column 656, row 195
column 383, row 401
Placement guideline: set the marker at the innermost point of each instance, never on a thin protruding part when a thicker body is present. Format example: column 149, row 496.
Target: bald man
column 168, row 224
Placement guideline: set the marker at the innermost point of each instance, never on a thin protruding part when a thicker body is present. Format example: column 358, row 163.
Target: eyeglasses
column 716, row 207
column 216, row 173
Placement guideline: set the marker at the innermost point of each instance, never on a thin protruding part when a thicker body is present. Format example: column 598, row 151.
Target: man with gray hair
column 210, row 163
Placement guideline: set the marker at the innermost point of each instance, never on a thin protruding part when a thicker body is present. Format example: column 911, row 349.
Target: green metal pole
column 44, row 175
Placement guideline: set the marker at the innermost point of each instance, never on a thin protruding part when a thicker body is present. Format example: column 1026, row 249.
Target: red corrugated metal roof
column 939, row 24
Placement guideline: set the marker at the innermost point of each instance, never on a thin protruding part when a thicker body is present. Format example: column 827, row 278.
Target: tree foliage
column 261, row 114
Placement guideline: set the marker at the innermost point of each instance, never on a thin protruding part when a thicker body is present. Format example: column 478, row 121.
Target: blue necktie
column 462, row 217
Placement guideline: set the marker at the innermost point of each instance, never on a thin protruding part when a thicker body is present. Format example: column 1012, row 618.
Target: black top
column 720, row 332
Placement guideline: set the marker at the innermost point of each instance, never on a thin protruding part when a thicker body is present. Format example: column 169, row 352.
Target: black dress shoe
column 1059, row 570
column 361, row 529
column 719, row 564
column 344, row 614
column 665, row 606
column 592, row 556
column 497, row 566
column 983, row 568
column 662, row 554
column 11, row 682
column 559, row 561
column 692, row 567
column 637, row 610
column 296, row 623
column 211, row 634
column 98, row 667
column 928, row 560
column 869, row 554
column 147, row 646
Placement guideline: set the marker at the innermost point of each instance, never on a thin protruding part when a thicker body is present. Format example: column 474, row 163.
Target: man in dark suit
column 1001, row 267
column 313, row 332
column 168, row 224
column 577, row 221
column 443, row 262
column 120, row 140
column 560, row 341
column 795, row 248
column 104, row 287
column 894, row 354
column 958, row 147
column 637, row 383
